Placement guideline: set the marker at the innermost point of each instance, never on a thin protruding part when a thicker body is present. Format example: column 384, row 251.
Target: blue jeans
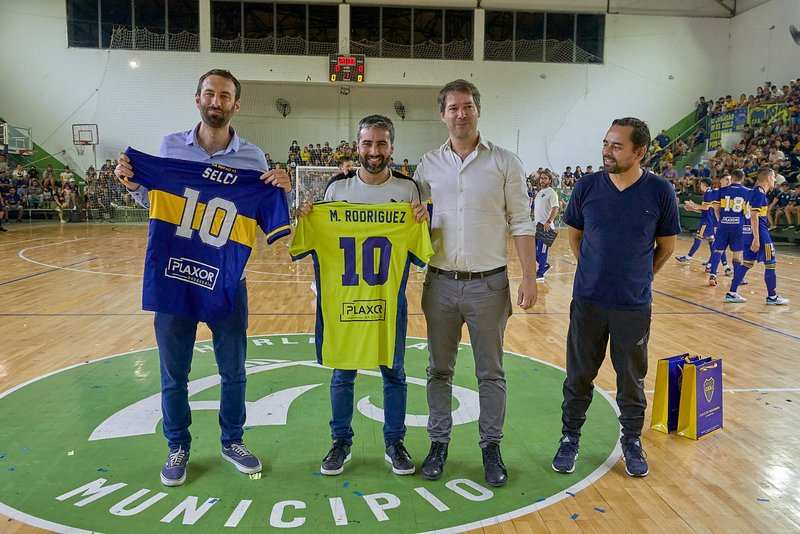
column 175, row 336
column 394, row 404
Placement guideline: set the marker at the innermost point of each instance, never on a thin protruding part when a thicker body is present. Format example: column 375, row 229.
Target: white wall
column 553, row 114
column 758, row 53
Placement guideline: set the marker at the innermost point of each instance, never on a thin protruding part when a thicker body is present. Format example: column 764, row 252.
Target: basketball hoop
column 80, row 149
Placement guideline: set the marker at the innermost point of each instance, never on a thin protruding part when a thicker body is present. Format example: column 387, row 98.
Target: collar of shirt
column 233, row 145
column 447, row 147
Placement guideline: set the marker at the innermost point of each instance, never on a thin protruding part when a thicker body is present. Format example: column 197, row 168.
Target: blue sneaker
column 174, row 471
column 564, row 461
column 540, row 274
column 244, row 460
column 634, row 457
column 683, row 259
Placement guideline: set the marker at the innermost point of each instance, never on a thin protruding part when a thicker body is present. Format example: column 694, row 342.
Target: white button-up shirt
column 477, row 202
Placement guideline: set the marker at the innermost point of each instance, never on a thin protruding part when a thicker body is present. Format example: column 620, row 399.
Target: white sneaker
column 734, row 298
column 777, row 301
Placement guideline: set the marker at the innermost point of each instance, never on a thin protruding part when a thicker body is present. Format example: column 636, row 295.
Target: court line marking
column 23, row 241
column 729, row 315
column 44, row 272
column 613, row 458
column 21, row 254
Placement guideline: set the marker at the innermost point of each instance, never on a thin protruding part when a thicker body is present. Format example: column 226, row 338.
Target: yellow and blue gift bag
column 666, row 400
column 700, row 409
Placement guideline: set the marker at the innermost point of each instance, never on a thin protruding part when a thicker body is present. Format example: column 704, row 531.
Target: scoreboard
column 347, row 68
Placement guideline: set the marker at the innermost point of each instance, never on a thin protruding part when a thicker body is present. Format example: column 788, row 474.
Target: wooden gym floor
column 71, row 293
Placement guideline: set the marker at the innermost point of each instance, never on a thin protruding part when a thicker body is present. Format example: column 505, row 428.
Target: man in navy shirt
column 213, row 140
column 623, row 223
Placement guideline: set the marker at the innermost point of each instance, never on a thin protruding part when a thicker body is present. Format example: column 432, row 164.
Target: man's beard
column 616, row 168
column 373, row 169
column 217, row 121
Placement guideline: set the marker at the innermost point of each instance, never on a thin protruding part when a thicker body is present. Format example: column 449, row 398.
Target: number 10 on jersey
column 372, row 276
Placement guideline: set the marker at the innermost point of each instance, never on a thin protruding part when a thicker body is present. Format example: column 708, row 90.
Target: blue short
column 766, row 252
column 728, row 236
column 705, row 231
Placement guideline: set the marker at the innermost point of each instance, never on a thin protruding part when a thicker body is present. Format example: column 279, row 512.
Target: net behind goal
column 310, row 183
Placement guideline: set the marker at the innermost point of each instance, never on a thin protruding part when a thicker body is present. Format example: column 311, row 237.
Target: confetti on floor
column 761, row 499
column 574, row 516
column 601, row 510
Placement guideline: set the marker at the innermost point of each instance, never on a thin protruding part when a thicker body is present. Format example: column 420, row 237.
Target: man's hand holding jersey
column 278, row 178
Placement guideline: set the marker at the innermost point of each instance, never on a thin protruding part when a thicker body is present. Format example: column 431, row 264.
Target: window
column 151, row 24
column 401, row 32
column 274, row 28
column 396, row 32
column 529, row 37
column 365, row 30
column 548, row 37
column 226, row 26
column 291, row 24
column 499, row 41
column 560, row 38
column 323, row 30
column 428, row 33
column 83, row 24
column 134, row 24
column 590, row 34
column 458, row 34
column 183, row 25
column 259, row 28
column 115, row 14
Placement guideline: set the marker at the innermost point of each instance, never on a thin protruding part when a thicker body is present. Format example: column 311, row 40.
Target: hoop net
column 310, row 182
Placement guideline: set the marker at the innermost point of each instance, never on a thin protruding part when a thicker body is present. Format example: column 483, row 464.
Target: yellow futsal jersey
column 361, row 254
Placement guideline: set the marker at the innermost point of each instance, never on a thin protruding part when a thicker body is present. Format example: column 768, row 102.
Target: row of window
column 312, row 29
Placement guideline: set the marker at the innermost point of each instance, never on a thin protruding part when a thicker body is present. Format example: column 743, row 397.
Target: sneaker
column 712, row 280
column 244, row 460
column 564, row 460
column 775, row 300
column 433, row 466
column 734, row 298
column 493, row 467
column 397, row 455
column 333, row 463
column 634, row 457
column 789, row 227
column 708, row 267
column 540, row 274
column 3, row 229
column 173, row 473
column 683, row 259
column 728, row 271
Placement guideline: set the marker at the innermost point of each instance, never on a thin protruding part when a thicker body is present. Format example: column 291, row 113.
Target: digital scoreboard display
column 347, row 68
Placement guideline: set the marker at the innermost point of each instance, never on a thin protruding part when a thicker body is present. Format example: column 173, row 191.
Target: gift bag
column 700, row 410
column 667, row 396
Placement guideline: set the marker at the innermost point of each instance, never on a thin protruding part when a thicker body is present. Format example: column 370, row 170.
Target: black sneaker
column 397, row 455
column 564, row 460
column 493, row 468
column 433, row 466
column 333, row 463
column 634, row 457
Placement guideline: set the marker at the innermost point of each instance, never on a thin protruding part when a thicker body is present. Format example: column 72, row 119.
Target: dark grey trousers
column 485, row 306
column 590, row 328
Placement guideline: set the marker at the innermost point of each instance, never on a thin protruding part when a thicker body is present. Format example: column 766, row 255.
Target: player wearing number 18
column 208, row 223
column 729, row 207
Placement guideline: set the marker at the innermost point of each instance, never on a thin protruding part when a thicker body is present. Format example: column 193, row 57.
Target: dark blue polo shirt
column 615, row 267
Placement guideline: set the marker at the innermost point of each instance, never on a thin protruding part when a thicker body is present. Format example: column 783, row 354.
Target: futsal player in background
column 708, row 223
column 757, row 243
column 729, row 208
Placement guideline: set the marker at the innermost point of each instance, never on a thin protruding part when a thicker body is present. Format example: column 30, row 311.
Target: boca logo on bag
column 708, row 389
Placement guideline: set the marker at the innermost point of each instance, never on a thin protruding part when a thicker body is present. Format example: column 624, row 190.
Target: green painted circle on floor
column 82, row 448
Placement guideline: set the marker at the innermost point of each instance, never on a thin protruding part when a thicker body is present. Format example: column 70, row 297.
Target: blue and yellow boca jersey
column 203, row 220
column 732, row 202
column 361, row 254
column 708, row 218
column 757, row 205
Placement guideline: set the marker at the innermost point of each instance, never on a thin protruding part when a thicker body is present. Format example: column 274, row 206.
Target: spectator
column 669, row 172
column 49, row 179
column 578, row 173
column 405, row 169
column 67, row 176
column 19, row 177
column 780, row 203
column 13, row 202
column 663, row 139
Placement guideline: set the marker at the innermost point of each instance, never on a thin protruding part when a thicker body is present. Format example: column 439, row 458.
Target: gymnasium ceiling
column 683, row 8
